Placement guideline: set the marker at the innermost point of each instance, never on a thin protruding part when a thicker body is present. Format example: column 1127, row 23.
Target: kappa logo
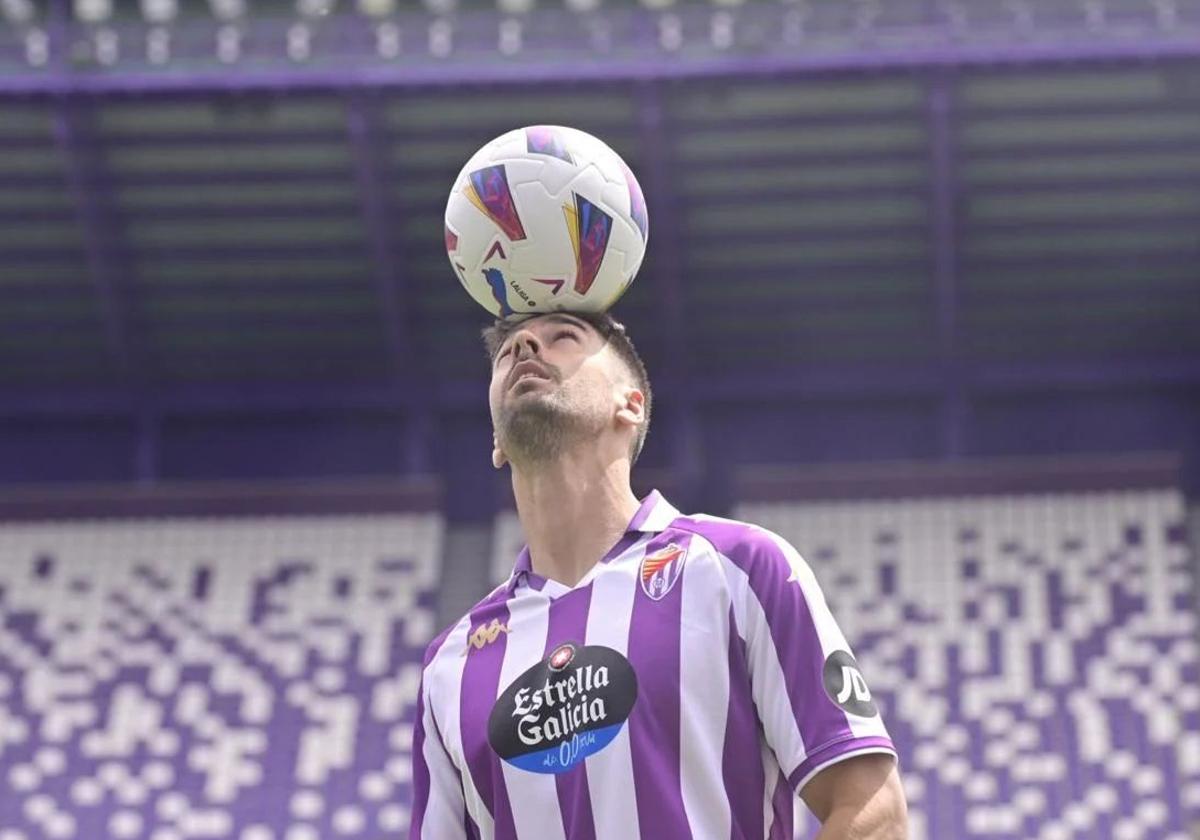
column 661, row 569
column 484, row 635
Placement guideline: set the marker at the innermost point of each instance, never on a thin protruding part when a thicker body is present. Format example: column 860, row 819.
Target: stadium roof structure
column 189, row 239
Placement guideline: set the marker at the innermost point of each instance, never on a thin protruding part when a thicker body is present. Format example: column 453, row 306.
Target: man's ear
column 499, row 459
column 632, row 409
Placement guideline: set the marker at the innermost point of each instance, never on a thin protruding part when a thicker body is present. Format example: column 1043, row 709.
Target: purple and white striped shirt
column 688, row 686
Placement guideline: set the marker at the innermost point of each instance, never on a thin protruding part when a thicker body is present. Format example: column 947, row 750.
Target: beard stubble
column 537, row 428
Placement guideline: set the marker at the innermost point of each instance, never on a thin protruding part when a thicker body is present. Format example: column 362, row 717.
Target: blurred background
column 922, row 294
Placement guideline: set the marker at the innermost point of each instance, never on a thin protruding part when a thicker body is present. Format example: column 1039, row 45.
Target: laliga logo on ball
column 546, row 218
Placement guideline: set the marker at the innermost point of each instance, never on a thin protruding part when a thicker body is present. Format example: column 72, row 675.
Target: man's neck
column 573, row 510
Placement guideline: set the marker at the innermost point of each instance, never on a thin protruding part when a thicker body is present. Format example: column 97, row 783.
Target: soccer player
column 642, row 674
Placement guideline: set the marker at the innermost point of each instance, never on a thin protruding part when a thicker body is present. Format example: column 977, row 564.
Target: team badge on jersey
column 660, row 570
column 570, row 705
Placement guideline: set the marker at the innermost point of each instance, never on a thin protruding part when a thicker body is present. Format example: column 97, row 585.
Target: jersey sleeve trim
column 835, row 752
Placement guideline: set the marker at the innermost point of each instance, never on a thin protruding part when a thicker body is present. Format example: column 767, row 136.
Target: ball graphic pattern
column 543, row 219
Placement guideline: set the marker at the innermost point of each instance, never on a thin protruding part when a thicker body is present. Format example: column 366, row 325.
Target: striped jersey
column 688, row 686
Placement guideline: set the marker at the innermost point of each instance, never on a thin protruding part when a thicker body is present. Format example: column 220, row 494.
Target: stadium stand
column 1035, row 656
column 250, row 678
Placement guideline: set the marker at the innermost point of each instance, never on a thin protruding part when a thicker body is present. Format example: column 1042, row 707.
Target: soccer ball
column 543, row 219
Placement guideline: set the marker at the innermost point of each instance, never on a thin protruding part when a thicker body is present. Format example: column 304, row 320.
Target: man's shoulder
column 734, row 538
column 761, row 554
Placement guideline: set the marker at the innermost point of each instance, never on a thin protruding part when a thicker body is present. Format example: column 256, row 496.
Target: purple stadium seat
column 1035, row 657
column 244, row 678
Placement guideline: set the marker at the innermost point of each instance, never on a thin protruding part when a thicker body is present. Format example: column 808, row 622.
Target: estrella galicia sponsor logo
column 845, row 685
column 570, row 705
column 561, row 657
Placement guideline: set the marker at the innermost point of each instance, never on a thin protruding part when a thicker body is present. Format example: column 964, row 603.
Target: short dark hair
column 614, row 335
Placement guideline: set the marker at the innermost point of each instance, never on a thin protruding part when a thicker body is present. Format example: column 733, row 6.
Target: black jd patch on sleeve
column 845, row 685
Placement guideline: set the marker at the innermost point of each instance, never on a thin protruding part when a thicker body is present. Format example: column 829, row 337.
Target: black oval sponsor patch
column 563, row 709
column 845, row 685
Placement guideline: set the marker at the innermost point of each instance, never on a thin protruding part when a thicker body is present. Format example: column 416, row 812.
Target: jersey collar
column 654, row 514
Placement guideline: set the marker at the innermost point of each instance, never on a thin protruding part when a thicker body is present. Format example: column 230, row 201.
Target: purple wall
column 754, row 432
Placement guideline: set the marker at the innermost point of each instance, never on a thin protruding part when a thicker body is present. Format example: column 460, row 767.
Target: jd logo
column 845, row 685
column 853, row 681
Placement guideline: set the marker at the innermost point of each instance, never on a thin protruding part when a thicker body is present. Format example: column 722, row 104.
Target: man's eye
column 564, row 333
column 503, row 353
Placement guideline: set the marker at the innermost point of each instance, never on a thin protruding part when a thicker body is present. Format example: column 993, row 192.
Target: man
column 642, row 674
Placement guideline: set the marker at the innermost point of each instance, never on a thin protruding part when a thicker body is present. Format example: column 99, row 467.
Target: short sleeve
column 438, row 809
column 810, row 694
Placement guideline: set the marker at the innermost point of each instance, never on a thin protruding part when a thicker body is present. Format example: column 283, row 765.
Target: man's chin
column 532, row 431
column 531, row 406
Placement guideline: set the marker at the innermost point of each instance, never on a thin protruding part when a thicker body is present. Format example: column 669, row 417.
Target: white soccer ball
column 544, row 219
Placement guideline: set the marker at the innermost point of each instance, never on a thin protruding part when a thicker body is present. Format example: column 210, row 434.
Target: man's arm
column 817, row 712
column 438, row 807
column 859, row 799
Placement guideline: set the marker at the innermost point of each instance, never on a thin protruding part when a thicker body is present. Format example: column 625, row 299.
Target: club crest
column 661, row 569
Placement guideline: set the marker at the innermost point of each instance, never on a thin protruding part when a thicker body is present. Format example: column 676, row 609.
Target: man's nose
column 525, row 343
